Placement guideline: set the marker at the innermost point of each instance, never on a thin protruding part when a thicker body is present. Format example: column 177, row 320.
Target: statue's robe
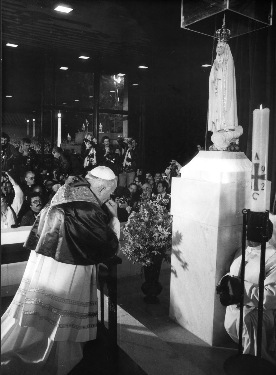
column 222, row 108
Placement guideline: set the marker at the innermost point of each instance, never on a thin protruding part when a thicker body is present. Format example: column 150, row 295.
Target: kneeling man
column 251, row 300
column 54, row 311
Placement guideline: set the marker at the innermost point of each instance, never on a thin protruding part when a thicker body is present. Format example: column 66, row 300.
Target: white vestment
column 251, row 299
column 51, row 316
column 53, row 312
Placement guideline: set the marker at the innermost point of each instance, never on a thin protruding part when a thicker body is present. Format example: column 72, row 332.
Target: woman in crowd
column 9, row 212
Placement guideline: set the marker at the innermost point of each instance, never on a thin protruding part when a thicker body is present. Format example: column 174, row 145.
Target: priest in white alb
column 251, row 299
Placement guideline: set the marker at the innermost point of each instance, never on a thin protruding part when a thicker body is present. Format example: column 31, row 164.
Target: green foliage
column 148, row 234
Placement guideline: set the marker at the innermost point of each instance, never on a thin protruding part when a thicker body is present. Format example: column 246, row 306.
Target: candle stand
column 254, row 226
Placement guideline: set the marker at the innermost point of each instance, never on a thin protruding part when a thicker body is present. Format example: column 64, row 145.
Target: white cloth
column 251, row 298
column 18, row 198
column 90, row 158
column 33, row 353
column 8, row 217
column 127, row 156
column 52, row 313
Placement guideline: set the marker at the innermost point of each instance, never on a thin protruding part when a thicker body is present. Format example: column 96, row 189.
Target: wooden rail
column 107, row 285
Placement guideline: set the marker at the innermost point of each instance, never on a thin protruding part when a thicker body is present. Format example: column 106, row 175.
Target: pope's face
column 105, row 194
column 220, row 48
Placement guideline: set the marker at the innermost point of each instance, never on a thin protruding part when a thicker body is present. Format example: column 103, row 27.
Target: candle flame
column 261, row 106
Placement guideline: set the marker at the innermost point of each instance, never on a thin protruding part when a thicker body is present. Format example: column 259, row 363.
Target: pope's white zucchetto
column 101, row 172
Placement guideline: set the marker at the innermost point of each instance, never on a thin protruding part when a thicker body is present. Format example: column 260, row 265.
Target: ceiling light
column 8, row 96
column 63, row 9
column 143, row 67
column 84, row 57
column 76, row 100
column 90, row 96
column 112, row 90
column 205, row 65
column 63, row 68
column 121, row 74
column 11, row 45
column 135, row 84
column 64, row 103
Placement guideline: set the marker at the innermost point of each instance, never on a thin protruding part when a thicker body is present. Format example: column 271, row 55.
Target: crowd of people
column 90, row 184
column 28, row 183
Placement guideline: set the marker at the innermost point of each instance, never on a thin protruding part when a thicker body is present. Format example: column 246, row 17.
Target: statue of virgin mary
column 222, row 111
column 222, row 91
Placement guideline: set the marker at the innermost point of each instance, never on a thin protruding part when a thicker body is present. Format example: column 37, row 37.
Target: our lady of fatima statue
column 222, row 111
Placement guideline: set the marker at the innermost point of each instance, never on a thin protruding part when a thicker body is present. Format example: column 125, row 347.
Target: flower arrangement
column 148, row 234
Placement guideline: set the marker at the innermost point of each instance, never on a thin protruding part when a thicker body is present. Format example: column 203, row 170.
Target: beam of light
column 11, row 45
column 63, row 9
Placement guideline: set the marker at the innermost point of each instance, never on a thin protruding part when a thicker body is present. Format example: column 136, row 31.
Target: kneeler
column 247, row 364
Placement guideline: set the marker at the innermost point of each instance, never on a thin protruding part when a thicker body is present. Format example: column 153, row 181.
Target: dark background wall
column 168, row 110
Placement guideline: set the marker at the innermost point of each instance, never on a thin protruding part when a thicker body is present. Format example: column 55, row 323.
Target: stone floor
column 149, row 341
column 188, row 354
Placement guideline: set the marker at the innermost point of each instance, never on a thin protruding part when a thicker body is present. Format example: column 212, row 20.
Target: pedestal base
column 207, row 204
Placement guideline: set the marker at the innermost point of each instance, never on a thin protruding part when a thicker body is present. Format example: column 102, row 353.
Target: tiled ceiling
column 108, row 31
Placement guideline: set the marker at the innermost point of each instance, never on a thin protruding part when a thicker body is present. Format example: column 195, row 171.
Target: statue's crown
column 223, row 34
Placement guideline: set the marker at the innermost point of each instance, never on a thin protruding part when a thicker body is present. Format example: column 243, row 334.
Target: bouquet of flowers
column 147, row 234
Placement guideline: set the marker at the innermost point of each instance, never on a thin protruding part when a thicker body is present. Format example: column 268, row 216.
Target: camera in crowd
column 173, row 168
column 229, row 290
column 118, row 200
column 122, row 200
column 4, row 177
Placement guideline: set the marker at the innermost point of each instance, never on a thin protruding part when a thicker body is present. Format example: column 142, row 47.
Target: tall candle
column 33, row 127
column 59, row 130
column 28, row 127
column 259, row 183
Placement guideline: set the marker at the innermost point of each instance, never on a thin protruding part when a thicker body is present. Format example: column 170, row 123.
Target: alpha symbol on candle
column 256, row 176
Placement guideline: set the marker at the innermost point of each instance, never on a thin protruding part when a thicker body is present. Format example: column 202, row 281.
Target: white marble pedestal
column 207, row 204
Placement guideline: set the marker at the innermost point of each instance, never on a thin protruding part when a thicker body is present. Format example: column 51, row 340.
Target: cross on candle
column 256, row 176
